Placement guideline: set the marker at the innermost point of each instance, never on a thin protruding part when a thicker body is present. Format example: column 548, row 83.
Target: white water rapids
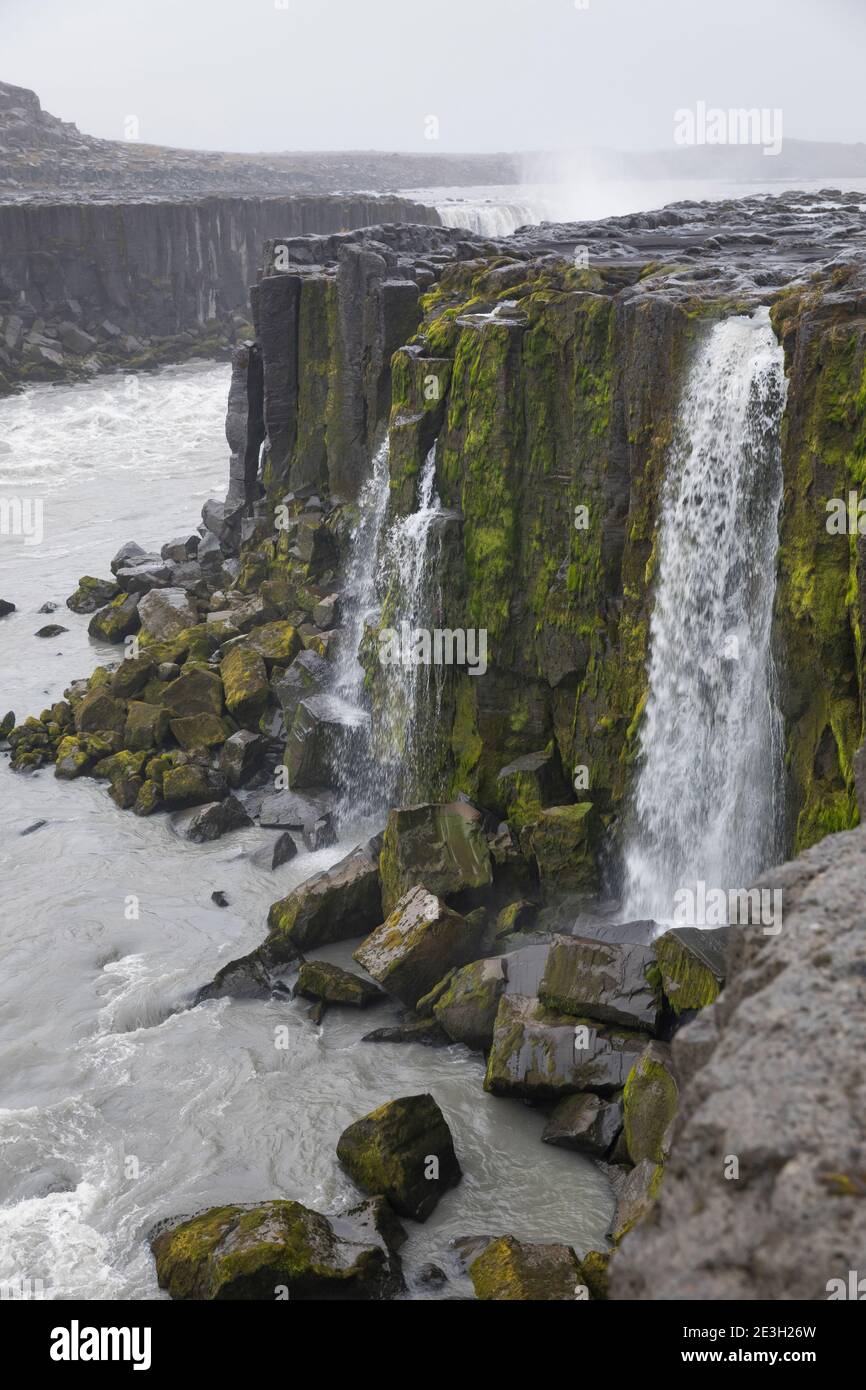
column 706, row 804
column 118, row 1104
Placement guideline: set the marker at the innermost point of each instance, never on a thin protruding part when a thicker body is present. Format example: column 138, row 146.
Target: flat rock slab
column 606, row 980
column 540, row 1055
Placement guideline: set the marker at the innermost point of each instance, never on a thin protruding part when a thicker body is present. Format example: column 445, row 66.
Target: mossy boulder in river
column 92, row 594
column 246, row 684
column 146, row 725
column 402, row 1151
column 201, row 731
column 612, row 981
column 319, row 979
column 692, row 964
column 511, row 1270
column 417, row 945
column 339, row 903
column 276, row 1250
column 650, row 1105
column 442, row 847
column 195, row 691
column 99, row 712
column 117, row 620
column 276, row 643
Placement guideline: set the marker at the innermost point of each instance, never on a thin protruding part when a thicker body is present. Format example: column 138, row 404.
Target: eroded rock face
column 402, row 1151
column 276, row 1249
column 774, row 1080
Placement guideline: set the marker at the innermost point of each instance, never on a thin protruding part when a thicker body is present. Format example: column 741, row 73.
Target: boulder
column 146, row 725
column 692, row 963
column 131, row 676
column 585, row 1123
column 608, row 980
column 650, row 1105
column 318, row 979
column 200, row 732
column 99, row 712
column 540, row 1055
column 403, row 1151
column 636, row 1197
column 511, row 1270
column 326, row 734
column 181, row 549
column 277, row 643
column 295, row 810
column 188, row 785
column 339, row 903
column 529, row 784
column 92, row 594
column 309, row 674
column 195, row 691
column 245, row 978
column 442, row 847
column 563, row 841
column 214, row 819
column 241, row 756
column 165, row 613
column 151, row 573
column 73, row 760
column 425, row 1031
column 273, row 1250
column 246, row 684
column 51, row 630
column 119, row 619
column 320, row 835
column 467, row 1008
column 417, row 944
column 128, row 554
column 6, row 608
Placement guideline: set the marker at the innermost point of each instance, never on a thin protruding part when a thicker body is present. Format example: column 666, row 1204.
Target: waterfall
column 706, row 805
column 411, row 689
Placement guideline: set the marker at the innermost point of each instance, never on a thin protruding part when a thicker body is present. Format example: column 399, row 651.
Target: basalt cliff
column 532, row 388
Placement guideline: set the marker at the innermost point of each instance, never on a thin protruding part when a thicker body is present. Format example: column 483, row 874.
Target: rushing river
column 120, row 1105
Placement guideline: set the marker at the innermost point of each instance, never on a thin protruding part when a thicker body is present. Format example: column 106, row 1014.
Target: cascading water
column 707, row 802
column 410, row 703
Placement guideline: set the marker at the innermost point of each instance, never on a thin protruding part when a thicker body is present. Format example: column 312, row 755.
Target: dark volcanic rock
column 402, row 1151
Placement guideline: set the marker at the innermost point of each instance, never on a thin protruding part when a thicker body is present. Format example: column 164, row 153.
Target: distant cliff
column 89, row 286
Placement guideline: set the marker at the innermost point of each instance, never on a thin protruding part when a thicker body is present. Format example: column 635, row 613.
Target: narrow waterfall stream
column 707, row 798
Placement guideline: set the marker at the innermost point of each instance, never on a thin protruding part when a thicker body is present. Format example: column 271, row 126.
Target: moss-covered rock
column 276, row 1250
column 692, row 964
column 466, row 1008
column 650, row 1101
column 131, row 677
column 119, row 619
column 246, row 684
column 540, row 1055
column 563, row 841
column 188, row 785
column 417, row 944
column 442, row 847
column 146, row 726
column 195, row 691
column 73, row 759
column 529, row 784
column 615, row 982
column 99, row 712
column 201, row 731
column 402, row 1151
column 319, row 979
column 510, row 1270
column 334, row 905
column 277, row 643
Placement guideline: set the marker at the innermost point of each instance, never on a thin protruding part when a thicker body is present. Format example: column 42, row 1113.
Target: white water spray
column 706, row 804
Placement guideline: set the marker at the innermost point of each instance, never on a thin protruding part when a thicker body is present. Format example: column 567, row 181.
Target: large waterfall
column 707, row 800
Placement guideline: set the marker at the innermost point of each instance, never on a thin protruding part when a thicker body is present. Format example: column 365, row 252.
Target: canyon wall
column 85, row 286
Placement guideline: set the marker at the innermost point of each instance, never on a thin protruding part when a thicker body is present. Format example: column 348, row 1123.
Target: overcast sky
column 498, row 74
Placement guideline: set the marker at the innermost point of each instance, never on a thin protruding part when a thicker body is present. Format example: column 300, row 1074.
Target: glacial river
column 119, row 1104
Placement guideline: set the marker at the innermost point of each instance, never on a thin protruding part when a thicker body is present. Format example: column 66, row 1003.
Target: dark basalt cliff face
column 85, row 286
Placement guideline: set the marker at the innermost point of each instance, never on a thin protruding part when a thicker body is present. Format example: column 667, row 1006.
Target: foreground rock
column 402, row 1151
column 278, row 1250
column 417, row 945
column 510, row 1270
column 788, row 1106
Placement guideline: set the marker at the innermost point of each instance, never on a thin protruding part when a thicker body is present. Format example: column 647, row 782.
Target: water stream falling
column 706, row 803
